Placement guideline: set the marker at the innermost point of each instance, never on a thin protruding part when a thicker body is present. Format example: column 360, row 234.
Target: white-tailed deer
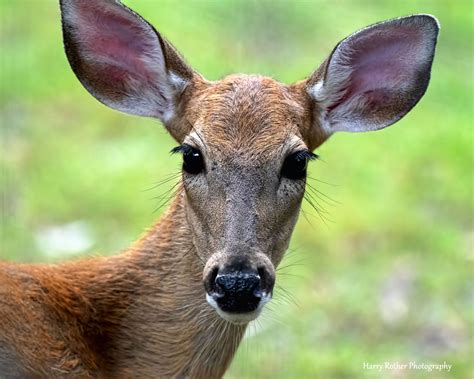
column 177, row 302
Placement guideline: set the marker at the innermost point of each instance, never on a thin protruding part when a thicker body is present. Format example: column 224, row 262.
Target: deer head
column 246, row 140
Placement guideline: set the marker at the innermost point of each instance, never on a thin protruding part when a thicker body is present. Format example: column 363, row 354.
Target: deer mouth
column 237, row 311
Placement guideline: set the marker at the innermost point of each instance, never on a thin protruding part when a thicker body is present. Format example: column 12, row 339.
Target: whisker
column 305, row 215
column 320, row 207
column 322, row 181
column 166, row 179
column 319, row 211
column 168, row 195
column 290, row 275
column 322, row 196
column 289, row 265
column 284, row 294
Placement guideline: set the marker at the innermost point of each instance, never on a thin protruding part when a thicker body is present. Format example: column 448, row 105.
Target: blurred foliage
column 386, row 278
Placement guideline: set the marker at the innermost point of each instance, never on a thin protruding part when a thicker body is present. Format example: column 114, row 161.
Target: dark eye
column 193, row 163
column 294, row 166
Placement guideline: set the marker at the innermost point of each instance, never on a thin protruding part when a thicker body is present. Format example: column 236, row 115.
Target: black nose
column 237, row 291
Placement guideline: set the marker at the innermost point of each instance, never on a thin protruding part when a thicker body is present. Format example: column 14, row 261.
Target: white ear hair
column 376, row 75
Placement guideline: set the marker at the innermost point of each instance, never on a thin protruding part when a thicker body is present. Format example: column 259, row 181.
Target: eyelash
column 308, row 155
column 295, row 165
column 183, row 149
column 193, row 162
column 187, row 149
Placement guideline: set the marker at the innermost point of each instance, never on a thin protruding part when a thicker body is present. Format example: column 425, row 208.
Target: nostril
column 212, row 276
column 220, row 281
column 212, row 283
column 262, row 274
column 258, row 290
column 267, row 281
column 253, row 282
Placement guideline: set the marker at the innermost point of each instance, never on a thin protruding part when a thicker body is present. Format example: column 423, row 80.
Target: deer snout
column 239, row 290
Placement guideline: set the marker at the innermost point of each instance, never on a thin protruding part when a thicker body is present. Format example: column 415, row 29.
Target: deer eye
column 193, row 162
column 295, row 164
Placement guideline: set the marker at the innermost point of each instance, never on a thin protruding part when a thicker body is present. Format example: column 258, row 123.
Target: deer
column 177, row 302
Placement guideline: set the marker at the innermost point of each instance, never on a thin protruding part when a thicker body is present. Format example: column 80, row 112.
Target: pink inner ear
column 380, row 62
column 116, row 39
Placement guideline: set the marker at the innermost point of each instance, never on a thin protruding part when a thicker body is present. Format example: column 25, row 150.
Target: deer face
column 246, row 140
column 244, row 174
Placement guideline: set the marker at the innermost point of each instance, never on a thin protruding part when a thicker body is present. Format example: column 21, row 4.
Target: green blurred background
column 385, row 274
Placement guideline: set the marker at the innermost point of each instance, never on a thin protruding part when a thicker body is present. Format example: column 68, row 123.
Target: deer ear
column 375, row 76
column 121, row 60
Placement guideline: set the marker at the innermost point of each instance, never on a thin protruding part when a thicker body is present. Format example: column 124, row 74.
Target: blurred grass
column 389, row 278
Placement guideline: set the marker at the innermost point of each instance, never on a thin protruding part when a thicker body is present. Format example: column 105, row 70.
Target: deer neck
column 165, row 323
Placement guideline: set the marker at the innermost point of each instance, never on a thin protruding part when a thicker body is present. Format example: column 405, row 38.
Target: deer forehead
column 251, row 115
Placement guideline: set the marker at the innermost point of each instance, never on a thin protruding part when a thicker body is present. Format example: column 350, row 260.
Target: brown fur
column 143, row 313
column 117, row 317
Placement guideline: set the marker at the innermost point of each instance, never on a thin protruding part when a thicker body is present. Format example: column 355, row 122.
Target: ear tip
column 428, row 18
column 425, row 20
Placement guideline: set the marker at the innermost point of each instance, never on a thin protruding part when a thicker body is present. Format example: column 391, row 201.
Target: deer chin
column 239, row 318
